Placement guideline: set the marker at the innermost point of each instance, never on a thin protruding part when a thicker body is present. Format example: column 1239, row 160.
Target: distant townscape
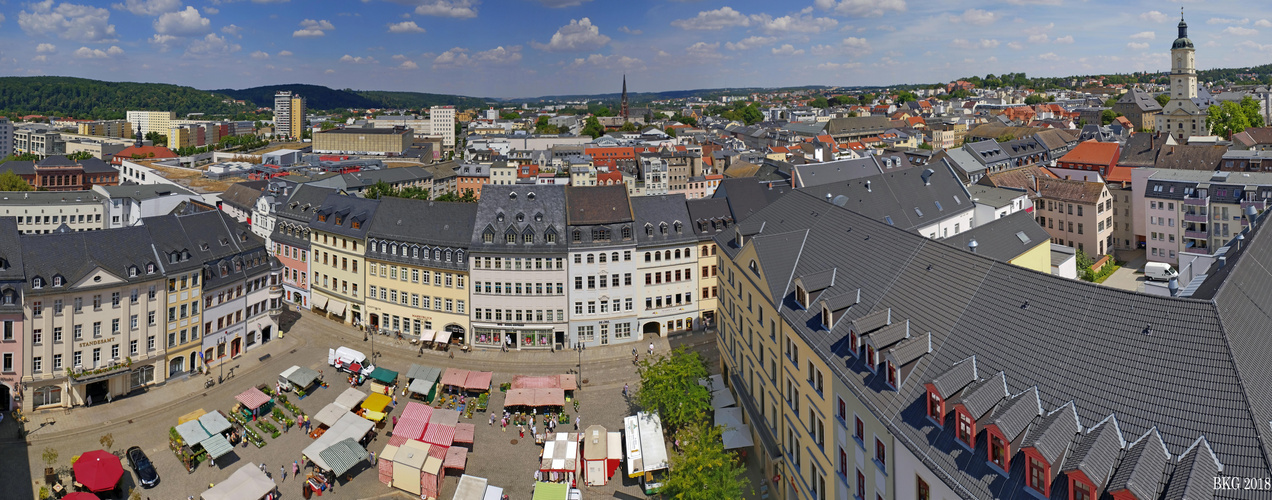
column 978, row 289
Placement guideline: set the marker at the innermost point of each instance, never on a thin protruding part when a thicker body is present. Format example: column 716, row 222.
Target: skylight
column 1024, row 238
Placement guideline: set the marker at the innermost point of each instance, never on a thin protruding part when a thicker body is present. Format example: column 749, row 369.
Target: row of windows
column 438, row 278
column 344, row 242
column 605, row 282
column 606, row 306
column 37, row 334
column 519, row 315
column 587, row 333
column 518, row 264
column 603, row 257
column 335, row 285
column 417, row 300
column 417, row 251
column 666, row 301
column 666, row 277
column 287, row 251
column 501, row 288
column 64, row 219
column 342, row 261
column 37, row 307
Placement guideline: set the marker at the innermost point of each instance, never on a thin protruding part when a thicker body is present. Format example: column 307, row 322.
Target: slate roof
column 1191, row 157
column 1003, row 239
column 1140, row 150
column 1053, row 435
column 214, row 240
column 349, row 210
column 962, row 162
column 1097, row 452
column 996, row 197
column 959, row 376
column 872, row 321
column 1022, row 147
column 983, row 396
column 240, row 197
column 745, row 196
column 1053, row 139
column 1027, row 178
column 299, row 209
column 1141, row 468
column 588, row 205
column 987, row 152
column 426, row 222
column 710, row 216
column 814, row 174
column 1070, row 190
column 1144, row 100
column 1194, row 473
column 902, row 198
column 544, row 209
column 1013, row 416
column 669, row 209
column 74, row 255
column 90, row 165
column 857, row 125
column 1199, row 370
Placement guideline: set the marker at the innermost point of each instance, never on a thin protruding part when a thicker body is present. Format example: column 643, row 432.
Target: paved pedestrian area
column 501, row 456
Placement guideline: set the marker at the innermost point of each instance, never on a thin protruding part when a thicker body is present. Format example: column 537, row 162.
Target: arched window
column 648, row 257
column 677, row 253
column 657, row 256
column 591, row 258
column 667, row 255
column 704, row 250
column 614, row 257
column 602, row 257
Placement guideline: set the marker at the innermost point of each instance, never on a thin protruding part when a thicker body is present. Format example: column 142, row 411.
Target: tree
column 1231, row 117
column 819, row 102
column 1108, row 116
column 21, row 157
column 156, row 138
column 1034, row 99
column 378, row 190
column 593, row 127
column 845, row 100
column 629, row 127
column 79, row 155
column 326, row 125
column 511, row 115
column 702, row 468
column 10, row 181
column 906, row 96
column 867, row 98
column 50, row 457
column 1162, row 98
column 669, row 386
column 687, row 120
column 670, row 131
column 1108, row 103
column 1084, row 264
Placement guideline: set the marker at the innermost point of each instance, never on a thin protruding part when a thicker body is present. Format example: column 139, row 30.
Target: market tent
column 519, row 397
column 192, row 432
column 442, row 416
column 423, row 372
column 549, row 397
column 454, row 377
column 247, row 483
column 431, row 476
column 384, row 375
column 407, row 464
column 330, row 414
column 374, row 416
column 550, row 491
column 410, row 428
column 350, row 398
column 214, row 423
column 302, row 377
column 722, row 399
column 470, row 488
column 464, row 433
column 384, row 465
column 595, row 452
column 563, row 382
column 422, row 387
column 456, row 458
column 216, row 446
column 194, row 415
column 376, row 402
column 343, row 455
column 253, row 398
column 561, row 454
column 735, row 434
column 569, row 382
column 441, row 435
column 417, row 411
column 98, row 470
column 478, row 381
column 349, row 426
column 493, row 493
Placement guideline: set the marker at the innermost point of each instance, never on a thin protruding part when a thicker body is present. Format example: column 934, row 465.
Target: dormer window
column 801, row 296
column 892, row 371
column 132, row 271
column 488, row 236
column 530, row 195
column 678, row 226
column 662, row 227
column 649, row 229
column 357, row 225
column 37, row 282
column 499, row 217
column 150, row 269
column 870, row 357
column 338, row 221
column 578, row 236
column 827, row 318
column 521, row 217
column 322, row 218
column 627, row 232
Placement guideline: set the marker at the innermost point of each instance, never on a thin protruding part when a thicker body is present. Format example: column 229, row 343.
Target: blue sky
column 527, row 48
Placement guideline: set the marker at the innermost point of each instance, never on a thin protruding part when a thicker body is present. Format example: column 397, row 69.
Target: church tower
column 623, row 107
column 1183, row 66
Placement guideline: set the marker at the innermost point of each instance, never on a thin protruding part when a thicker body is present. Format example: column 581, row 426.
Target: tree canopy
column 1035, row 99
column 669, row 386
column 629, row 127
column 1108, row 115
column 1162, row 98
column 79, row 155
column 1231, row 117
column 593, row 127
column 10, row 181
column 702, row 468
column 819, row 102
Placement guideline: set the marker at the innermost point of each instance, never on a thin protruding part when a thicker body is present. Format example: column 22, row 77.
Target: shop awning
column 418, row 372
column 410, row 428
column 350, row 398
column 536, row 398
column 374, row 416
column 192, row 432
column 456, row 458
column 478, row 381
column 417, row 411
column 343, row 455
column 442, row 416
column 735, row 434
column 253, row 398
column 568, row 382
column 214, row 423
column 247, row 483
column 376, row 402
column 722, row 399
column 336, row 307
column 470, row 488
column 216, row 446
column 454, row 377
column 464, row 433
column 421, row 386
column 550, row 491
column 302, row 377
column 330, row 414
column 319, row 301
column 442, row 336
column 441, row 435
column 384, row 375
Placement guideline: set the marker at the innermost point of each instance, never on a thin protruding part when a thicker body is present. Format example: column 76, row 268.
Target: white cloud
column 801, row 22
column 1220, row 20
column 211, row 45
column 787, row 50
column 1138, row 45
column 164, row 42
column 984, row 43
column 458, row 56
column 453, row 57
column 611, row 61
column 723, row 17
column 182, row 23
column 976, row 17
column 1263, row 23
column 1015, row 45
column 460, row 9
column 1039, row 38
column 1153, row 16
column 45, row 48
column 211, row 11
column 704, row 50
column 330, row 71
column 285, row 53
column 838, row 66
column 312, row 28
column 399, row 57
column 556, row 4
column 87, row 53
column 861, row 8
column 580, row 34
column 356, row 60
column 259, row 55
column 148, row 7
column 409, row 65
column 751, row 42
column 848, row 46
column 39, row 58
column 67, row 20
column 1050, row 56
column 1144, row 35
column 630, row 31
column 405, row 27
column 1239, row 31
column 1067, row 39
column 1258, row 47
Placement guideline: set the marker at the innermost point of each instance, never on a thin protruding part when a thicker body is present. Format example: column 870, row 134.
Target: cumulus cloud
column 45, row 48
column 848, row 46
column 259, row 55
column 211, row 45
column 801, row 22
column 1039, row 38
column 356, row 60
column 580, row 34
column 148, row 7
column 459, row 9
column 285, row 53
column 611, row 61
column 182, row 23
column 1050, row 56
column 630, row 31
column 723, row 17
column 1138, row 45
column 87, row 53
column 312, row 28
column 830, row 66
column 984, row 43
column 787, row 50
column 861, row 8
column 1153, row 16
column 1015, row 45
column 67, row 20
column 1067, row 39
column 212, row 11
column 1263, row 23
column 459, row 56
column 704, row 50
column 749, row 43
column 1144, row 35
column 1258, row 47
column 1220, row 20
column 556, row 4
column 1239, row 31
column 405, row 27
column 408, row 65
column 976, row 17
column 163, row 42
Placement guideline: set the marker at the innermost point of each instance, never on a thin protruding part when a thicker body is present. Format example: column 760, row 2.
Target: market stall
column 409, row 428
column 373, row 407
column 444, row 417
column 194, row 415
column 98, row 471
column 493, row 493
column 454, row 379
column 431, row 478
column 470, row 488
column 247, row 483
column 349, row 426
column 350, row 398
column 478, row 381
column 216, row 445
column 408, row 465
column 254, row 402
column 550, row 491
column 440, row 435
column 595, row 454
column 534, row 398
column 464, row 433
column 735, row 433
column 563, row 382
column 384, row 464
column 417, row 411
column 560, row 461
column 383, row 380
column 215, row 423
column 330, row 414
column 614, row 459
column 342, row 456
column 423, row 381
column 297, row 377
column 456, row 458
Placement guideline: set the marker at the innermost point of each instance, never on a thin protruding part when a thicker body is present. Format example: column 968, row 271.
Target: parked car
column 145, row 470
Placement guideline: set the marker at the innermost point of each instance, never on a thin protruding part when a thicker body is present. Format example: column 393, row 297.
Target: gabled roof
column 1194, row 473
column 348, row 210
column 1027, row 178
column 872, row 321
column 587, row 205
column 427, row 222
column 986, row 151
column 957, row 377
column 1013, row 416
column 1140, row 470
column 1069, row 190
column 669, row 210
column 1097, row 452
column 1092, row 153
column 908, row 199
column 1054, row 434
column 240, row 196
column 1143, row 100
column 1191, row 157
column 1003, row 239
column 981, row 397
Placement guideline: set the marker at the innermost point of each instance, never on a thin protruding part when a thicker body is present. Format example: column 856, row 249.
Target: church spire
column 1183, row 26
column 623, row 105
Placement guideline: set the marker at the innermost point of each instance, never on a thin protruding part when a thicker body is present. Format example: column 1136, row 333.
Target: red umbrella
column 98, row 470
column 80, row 495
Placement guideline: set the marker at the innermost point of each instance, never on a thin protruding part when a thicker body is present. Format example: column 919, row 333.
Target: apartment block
column 442, row 124
column 289, row 114
column 107, row 128
column 1077, row 214
column 39, row 140
column 337, row 235
column 1196, row 212
column 151, row 121
column 291, row 239
column 364, row 141
column 43, row 212
column 6, row 137
column 603, row 291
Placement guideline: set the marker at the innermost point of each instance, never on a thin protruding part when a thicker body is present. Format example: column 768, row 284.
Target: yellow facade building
column 337, row 267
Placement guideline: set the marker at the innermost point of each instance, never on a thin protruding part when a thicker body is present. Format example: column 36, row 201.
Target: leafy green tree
column 1034, row 99
column 906, row 96
column 867, row 98
column 629, row 127
column 1108, row 103
column 819, row 102
column 10, row 181
column 670, row 131
column 511, row 115
column 1162, row 98
column 21, row 157
column 687, row 120
column 845, row 100
column 603, row 111
column 1084, row 263
column 1231, row 117
column 156, row 138
column 1108, row 116
column 669, row 385
column 378, row 190
column 593, row 127
column 702, row 469
column 926, row 145
column 79, row 155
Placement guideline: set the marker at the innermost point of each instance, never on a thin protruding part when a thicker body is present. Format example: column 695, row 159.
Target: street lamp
column 220, row 350
column 579, row 347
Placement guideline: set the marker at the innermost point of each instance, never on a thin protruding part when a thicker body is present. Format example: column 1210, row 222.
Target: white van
column 343, row 358
column 1159, row 271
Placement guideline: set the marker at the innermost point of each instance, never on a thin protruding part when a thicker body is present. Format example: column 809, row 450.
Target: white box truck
column 349, row 360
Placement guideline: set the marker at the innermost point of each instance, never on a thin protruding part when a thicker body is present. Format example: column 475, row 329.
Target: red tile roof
column 143, row 152
column 1092, row 153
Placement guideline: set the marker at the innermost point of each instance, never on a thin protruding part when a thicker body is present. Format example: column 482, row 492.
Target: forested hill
column 84, row 98
column 319, row 97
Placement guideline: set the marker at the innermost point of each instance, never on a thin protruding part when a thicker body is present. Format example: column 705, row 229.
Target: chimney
column 927, row 176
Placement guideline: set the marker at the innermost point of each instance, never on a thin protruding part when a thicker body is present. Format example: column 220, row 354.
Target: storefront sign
column 96, row 342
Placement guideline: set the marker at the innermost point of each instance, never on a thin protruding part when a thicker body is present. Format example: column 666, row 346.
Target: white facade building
column 666, row 264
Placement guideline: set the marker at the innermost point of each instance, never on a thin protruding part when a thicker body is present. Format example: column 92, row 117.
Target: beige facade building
column 151, row 121
column 364, row 141
column 338, row 232
column 107, row 128
column 1077, row 214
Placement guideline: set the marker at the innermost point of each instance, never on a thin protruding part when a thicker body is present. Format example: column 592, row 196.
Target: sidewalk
column 63, row 422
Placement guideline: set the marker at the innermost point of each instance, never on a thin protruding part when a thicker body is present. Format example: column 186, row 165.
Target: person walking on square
column 651, row 348
column 624, row 390
column 282, row 472
column 576, row 422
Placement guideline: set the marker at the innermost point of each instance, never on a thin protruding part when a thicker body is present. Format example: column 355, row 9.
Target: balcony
column 1194, row 218
column 1197, row 202
column 1197, row 235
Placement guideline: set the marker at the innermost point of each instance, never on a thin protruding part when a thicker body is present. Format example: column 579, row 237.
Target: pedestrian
column 295, row 469
column 576, row 422
column 651, row 348
column 262, row 466
column 282, row 472
column 624, row 390
column 492, row 419
column 395, row 421
column 89, row 402
column 633, row 352
column 521, row 431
